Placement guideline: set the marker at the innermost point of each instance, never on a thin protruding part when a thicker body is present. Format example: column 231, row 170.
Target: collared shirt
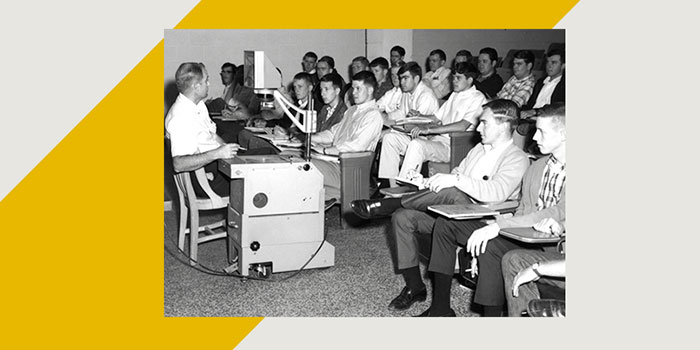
column 226, row 88
column 518, row 90
column 545, row 95
column 552, row 182
column 189, row 128
column 358, row 131
column 391, row 100
column 421, row 99
column 439, row 81
column 463, row 105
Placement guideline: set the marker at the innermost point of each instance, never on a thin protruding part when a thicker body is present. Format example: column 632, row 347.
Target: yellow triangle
column 82, row 231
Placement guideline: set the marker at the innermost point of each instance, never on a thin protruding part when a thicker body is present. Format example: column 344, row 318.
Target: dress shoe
column 407, row 297
column 427, row 313
column 374, row 209
column 546, row 308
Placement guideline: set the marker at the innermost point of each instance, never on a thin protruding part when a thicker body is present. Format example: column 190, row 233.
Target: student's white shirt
column 421, row 99
column 463, row 105
column 545, row 96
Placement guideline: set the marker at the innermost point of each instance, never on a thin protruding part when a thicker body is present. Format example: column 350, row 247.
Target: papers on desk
column 417, row 181
column 463, row 211
column 528, row 235
column 259, row 130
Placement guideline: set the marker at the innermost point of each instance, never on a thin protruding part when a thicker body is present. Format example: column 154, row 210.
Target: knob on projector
column 255, row 246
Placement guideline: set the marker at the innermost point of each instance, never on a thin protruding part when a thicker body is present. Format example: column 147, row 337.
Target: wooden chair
column 190, row 203
column 355, row 170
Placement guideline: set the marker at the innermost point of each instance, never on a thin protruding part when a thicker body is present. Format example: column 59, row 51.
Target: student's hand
column 279, row 131
column 525, row 275
column 227, row 150
column 259, row 123
column 413, row 113
column 479, row 238
column 548, row 227
column 415, row 132
column 438, row 182
column 527, row 114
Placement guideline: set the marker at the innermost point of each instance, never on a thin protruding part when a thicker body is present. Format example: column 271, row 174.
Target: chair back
column 185, row 191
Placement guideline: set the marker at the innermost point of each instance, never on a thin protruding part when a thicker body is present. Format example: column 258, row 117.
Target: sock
column 441, row 294
column 388, row 206
column 413, row 280
column 493, row 311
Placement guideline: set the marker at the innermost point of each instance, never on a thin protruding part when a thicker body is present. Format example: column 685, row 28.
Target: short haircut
column 559, row 52
column 505, row 111
column 334, row 78
column 413, row 67
column 398, row 49
column 493, row 55
column 440, row 53
column 187, row 74
column 329, row 60
column 557, row 112
column 467, row 69
column 381, row 62
column 525, row 55
column 366, row 78
column 465, row 53
column 310, row 54
column 229, row 65
column 361, row 59
column 304, row 76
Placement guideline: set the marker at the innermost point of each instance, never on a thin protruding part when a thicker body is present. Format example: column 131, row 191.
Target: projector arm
column 308, row 117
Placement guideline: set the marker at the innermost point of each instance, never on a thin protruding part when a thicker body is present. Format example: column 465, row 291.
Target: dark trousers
column 413, row 219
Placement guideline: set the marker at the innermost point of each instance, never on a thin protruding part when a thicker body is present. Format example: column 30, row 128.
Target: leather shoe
column 367, row 208
column 546, row 308
column 407, row 297
column 427, row 313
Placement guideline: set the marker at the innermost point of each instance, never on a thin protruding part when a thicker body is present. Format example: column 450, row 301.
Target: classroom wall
column 503, row 40
column 284, row 47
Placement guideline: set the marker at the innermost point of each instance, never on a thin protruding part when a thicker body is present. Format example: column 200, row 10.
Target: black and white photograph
column 364, row 172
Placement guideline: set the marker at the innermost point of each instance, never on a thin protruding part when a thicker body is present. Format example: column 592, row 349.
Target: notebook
column 463, row 211
column 528, row 235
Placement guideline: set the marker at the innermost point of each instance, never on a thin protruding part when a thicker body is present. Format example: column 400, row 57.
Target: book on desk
column 472, row 211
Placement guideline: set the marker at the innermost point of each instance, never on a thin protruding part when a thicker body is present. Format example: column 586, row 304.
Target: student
column 396, row 55
column 432, row 143
column 488, row 81
column 542, row 196
column 438, row 76
column 491, row 173
column 519, row 87
column 380, row 68
column 358, row 131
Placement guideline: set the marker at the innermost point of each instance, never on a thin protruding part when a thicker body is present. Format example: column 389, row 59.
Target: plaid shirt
column 518, row 91
column 552, row 183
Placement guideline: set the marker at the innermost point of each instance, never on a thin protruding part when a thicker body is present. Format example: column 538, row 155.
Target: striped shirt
column 552, row 183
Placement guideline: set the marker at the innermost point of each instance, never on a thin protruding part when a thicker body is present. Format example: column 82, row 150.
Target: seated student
column 491, row 173
column 193, row 140
column 277, row 118
column 396, row 55
column 358, row 131
column 227, row 73
column 333, row 108
column 326, row 65
column 519, row 87
column 459, row 113
column 461, row 56
column 392, row 98
column 240, row 107
column 380, row 67
column 308, row 65
column 520, row 267
column 358, row 64
column 438, row 76
column 488, row 81
column 549, row 89
column 542, row 196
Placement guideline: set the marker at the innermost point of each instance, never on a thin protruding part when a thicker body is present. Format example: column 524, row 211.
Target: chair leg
column 194, row 236
column 183, row 226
